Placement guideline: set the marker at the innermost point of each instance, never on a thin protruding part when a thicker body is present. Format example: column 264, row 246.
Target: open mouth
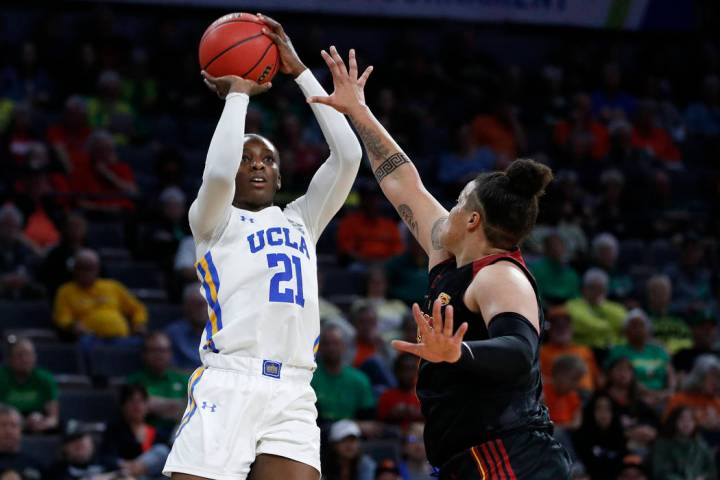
column 258, row 180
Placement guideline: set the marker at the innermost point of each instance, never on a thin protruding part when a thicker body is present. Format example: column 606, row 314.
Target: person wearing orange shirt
column 560, row 343
column 561, row 392
column 367, row 236
column 647, row 135
column 701, row 393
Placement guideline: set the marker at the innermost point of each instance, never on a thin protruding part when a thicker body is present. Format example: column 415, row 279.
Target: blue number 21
column 286, row 295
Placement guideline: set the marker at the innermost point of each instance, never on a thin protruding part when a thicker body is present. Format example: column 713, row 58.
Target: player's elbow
column 354, row 152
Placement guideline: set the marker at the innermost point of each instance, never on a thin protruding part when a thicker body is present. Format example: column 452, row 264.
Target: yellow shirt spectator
column 106, row 308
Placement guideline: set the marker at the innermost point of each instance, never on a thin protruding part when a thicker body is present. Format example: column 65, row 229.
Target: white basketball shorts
column 239, row 408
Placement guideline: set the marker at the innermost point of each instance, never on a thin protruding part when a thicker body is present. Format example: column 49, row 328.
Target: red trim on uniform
column 490, row 259
column 498, row 460
column 491, row 462
column 506, row 459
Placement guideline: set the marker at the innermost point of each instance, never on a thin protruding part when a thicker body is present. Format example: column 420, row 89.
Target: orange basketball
column 235, row 45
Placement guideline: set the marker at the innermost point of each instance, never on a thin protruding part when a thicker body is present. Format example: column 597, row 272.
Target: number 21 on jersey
column 281, row 283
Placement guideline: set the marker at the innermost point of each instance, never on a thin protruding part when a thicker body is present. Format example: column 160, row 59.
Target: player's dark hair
column 508, row 201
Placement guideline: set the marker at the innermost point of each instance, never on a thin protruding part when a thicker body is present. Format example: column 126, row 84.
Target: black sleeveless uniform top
column 462, row 409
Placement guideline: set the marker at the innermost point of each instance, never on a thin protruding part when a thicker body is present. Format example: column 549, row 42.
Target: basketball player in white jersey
column 251, row 410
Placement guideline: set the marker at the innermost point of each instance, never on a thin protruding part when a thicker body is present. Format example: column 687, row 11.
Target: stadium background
column 104, row 124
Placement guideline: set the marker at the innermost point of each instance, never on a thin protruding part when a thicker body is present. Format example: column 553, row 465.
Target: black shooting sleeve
column 507, row 354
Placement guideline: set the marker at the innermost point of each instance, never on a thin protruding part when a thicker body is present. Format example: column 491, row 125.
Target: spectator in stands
column 80, row 459
column 605, row 251
column 166, row 387
column 387, row 469
column 633, row 468
column 132, row 441
column 648, row 135
column 184, row 334
column 19, row 137
column 12, row 458
column 414, row 464
column 390, row 312
column 304, row 156
column 669, row 329
column 56, row 269
column 611, row 214
column 464, row 163
column 611, row 101
column 344, row 459
column 99, row 307
column 366, row 235
column 16, row 262
column 638, row 419
column 407, row 273
column 500, row 131
column 400, row 405
column 560, row 343
column 372, row 355
column 28, row 79
column 690, row 276
column 169, row 169
column 560, row 392
column 701, row 393
column 650, row 361
column 69, row 137
column 680, row 452
column 580, row 137
column 600, row 442
column 109, row 111
column 703, row 117
column 110, row 181
column 704, row 332
column 30, row 389
column 557, row 281
column 596, row 321
column 342, row 391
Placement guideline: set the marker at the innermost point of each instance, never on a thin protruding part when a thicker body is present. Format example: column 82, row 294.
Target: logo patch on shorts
column 444, row 298
column 271, row 368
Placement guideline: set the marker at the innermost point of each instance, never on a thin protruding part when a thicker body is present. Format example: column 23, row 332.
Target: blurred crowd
column 104, row 124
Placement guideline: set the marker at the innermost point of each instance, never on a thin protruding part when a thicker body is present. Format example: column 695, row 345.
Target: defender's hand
column 349, row 92
column 232, row 83
column 290, row 62
column 436, row 341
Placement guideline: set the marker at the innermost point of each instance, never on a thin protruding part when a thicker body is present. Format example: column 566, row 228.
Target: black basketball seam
column 233, row 46
column 260, row 60
column 215, row 27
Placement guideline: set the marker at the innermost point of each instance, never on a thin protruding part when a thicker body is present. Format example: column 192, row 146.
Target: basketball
column 235, row 45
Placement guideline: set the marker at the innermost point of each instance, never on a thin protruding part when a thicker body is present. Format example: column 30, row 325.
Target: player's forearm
column 392, row 168
column 339, row 136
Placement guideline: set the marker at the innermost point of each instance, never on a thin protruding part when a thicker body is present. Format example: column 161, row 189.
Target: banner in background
column 624, row 14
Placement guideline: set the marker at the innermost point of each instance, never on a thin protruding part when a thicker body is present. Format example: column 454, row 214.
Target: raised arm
column 332, row 182
column 210, row 211
column 397, row 176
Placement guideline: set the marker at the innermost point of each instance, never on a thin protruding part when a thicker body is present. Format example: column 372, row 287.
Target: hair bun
column 528, row 178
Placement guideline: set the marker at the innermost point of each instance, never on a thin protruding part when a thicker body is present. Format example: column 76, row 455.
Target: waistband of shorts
column 257, row 366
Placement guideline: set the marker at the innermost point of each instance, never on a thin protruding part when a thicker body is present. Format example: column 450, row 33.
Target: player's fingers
column 322, row 100
column 414, row 348
column 460, row 332
column 274, row 24
column 353, row 65
column 364, row 77
column 332, row 65
column 277, row 39
column 207, row 76
column 420, row 320
column 210, row 85
column 437, row 315
column 448, row 326
column 338, row 59
column 264, row 87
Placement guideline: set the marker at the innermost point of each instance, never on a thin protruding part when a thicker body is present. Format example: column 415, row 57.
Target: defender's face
column 258, row 177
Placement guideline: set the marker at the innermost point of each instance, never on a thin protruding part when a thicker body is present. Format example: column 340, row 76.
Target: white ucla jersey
column 260, row 282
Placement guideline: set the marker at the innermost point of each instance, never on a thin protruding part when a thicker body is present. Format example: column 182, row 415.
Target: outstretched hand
column 349, row 89
column 436, row 341
column 289, row 60
column 232, row 83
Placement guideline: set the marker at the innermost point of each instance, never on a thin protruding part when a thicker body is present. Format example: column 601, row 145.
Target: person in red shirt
column 561, row 393
column 581, row 136
column 366, row 235
column 653, row 139
column 69, row 137
column 400, row 405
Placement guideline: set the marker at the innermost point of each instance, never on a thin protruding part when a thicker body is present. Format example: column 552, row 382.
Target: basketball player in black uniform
column 479, row 384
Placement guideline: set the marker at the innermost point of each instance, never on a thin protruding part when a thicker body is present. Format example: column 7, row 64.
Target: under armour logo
column 211, row 407
column 243, row 218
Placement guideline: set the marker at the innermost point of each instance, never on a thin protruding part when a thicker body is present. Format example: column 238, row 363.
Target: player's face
column 258, row 177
